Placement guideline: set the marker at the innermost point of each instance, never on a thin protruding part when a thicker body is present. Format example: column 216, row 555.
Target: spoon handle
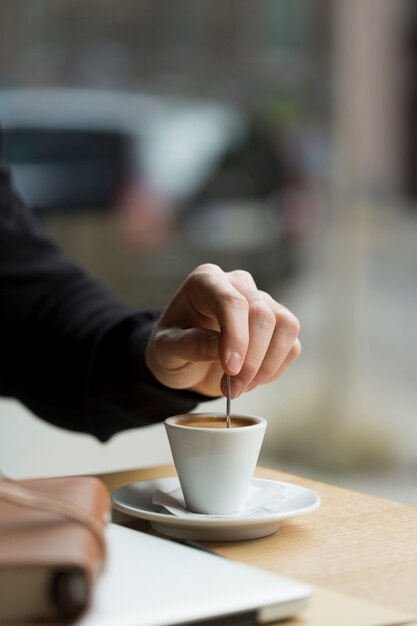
column 228, row 402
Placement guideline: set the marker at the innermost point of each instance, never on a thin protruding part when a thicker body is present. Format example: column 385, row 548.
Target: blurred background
column 277, row 136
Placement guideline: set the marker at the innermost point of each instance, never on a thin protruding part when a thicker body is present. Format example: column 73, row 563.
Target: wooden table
column 354, row 543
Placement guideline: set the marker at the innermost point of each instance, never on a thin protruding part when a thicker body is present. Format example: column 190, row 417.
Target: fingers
column 215, row 298
column 261, row 322
column 223, row 317
column 273, row 332
column 293, row 354
column 258, row 335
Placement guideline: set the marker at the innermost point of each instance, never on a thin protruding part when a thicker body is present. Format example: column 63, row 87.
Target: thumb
column 176, row 346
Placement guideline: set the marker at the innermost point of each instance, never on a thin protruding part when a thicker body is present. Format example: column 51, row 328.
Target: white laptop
column 151, row 581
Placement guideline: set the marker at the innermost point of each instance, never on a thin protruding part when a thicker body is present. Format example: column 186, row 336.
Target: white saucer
column 136, row 500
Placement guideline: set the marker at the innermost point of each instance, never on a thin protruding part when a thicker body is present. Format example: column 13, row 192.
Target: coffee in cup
column 213, row 421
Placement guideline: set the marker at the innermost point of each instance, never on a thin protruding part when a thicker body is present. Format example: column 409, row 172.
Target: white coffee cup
column 215, row 464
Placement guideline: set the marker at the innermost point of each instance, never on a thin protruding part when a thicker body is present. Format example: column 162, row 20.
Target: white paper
column 149, row 581
column 268, row 498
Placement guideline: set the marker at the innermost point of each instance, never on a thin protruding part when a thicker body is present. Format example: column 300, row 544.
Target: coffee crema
column 215, row 422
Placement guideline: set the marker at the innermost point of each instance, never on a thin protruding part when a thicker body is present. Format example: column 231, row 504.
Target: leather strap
column 16, row 494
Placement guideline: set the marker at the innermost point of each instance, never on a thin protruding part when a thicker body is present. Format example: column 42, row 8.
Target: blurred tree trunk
column 366, row 169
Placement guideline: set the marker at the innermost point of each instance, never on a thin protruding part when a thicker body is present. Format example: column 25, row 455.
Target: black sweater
column 69, row 351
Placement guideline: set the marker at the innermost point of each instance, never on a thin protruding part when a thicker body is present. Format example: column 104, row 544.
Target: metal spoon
column 228, row 401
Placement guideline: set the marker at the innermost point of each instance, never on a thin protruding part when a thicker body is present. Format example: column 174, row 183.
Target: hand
column 220, row 322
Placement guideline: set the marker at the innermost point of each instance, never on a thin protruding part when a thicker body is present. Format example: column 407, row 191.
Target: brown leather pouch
column 52, row 547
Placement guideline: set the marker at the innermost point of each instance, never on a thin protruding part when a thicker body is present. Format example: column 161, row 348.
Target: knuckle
column 296, row 349
column 244, row 277
column 289, row 324
column 193, row 280
column 207, row 268
column 263, row 315
column 159, row 344
column 265, row 294
column 235, row 301
column 207, row 273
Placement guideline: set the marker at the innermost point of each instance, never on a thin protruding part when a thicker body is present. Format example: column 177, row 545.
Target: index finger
column 212, row 295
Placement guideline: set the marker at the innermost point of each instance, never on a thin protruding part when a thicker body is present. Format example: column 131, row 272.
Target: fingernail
column 236, row 387
column 233, row 363
column 210, row 347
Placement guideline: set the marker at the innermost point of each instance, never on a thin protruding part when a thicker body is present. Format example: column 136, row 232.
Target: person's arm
column 79, row 358
column 69, row 351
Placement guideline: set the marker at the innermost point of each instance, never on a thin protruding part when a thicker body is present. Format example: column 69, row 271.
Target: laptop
column 150, row 581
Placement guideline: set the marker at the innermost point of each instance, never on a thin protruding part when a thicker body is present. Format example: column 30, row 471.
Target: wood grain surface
column 354, row 543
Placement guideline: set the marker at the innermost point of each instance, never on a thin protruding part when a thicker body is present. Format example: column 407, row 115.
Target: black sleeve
column 69, row 351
